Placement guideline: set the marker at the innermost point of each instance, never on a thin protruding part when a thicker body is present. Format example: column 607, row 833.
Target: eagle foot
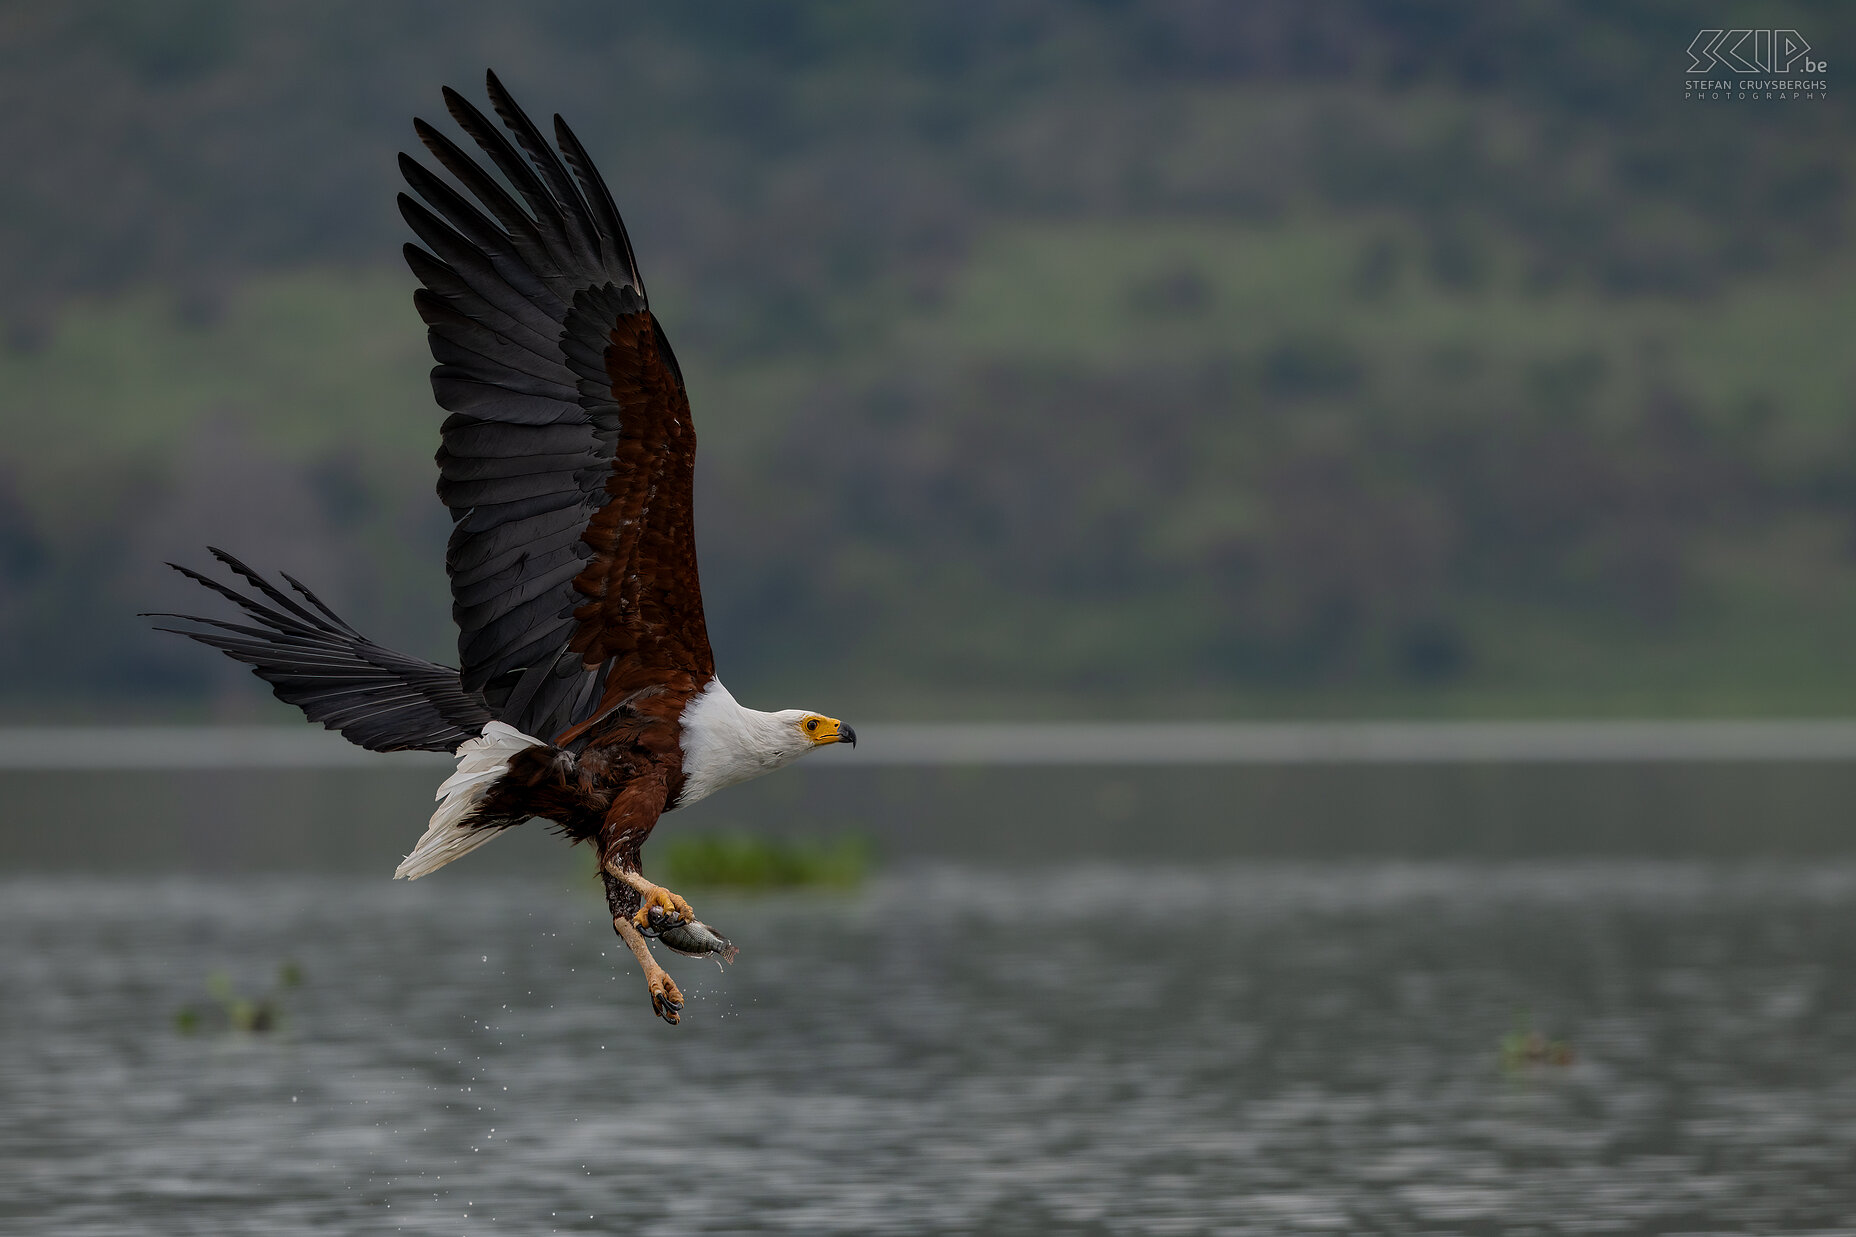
column 666, row 997
column 665, row 903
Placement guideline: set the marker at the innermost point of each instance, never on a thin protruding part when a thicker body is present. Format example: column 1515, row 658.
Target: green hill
column 1408, row 359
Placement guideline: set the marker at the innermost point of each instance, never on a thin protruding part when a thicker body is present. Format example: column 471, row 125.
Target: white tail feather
column 480, row 762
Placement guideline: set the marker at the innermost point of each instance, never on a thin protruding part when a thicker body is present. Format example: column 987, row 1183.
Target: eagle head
column 817, row 729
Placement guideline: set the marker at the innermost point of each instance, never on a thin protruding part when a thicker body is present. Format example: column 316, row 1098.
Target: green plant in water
column 748, row 861
column 236, row 1012
column 1523, row 1046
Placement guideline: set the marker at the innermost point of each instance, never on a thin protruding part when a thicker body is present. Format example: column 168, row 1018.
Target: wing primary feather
column 604, row 210
column 513, row 249
column 454, row 207
column 462, row 331
column 517, row 222
column 582, row 236
column 520, row 252
column 317, row 602
column 532, row 300
column 270, row 616
column 269, row 635
column 376, row 698
column 445, row 284
column 264, row 586
column 549, row 222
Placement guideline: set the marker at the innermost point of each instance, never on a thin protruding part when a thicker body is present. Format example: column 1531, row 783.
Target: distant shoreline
column 49, row 748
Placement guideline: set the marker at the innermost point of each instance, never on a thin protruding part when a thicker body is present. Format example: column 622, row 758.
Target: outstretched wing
column 568, row 460
column 382, row 700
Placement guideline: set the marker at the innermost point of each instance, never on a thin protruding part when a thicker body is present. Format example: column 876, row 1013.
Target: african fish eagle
column 587, row 693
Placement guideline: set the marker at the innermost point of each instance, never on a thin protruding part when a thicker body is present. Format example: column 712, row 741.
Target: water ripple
column 1243, row 1049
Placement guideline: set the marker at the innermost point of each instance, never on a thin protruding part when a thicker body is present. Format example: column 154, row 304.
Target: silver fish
column 689, row 936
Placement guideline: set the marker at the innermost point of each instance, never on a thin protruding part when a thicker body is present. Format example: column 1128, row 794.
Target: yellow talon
column 660, row 897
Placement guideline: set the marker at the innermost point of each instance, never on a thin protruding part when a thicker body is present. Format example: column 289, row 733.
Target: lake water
column 363, row 820
column 1220, row 1044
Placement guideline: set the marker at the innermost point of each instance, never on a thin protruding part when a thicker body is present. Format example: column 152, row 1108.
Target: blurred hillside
column 1174, row 357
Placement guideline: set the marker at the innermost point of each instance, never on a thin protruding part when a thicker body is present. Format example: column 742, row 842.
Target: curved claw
column 666, row 998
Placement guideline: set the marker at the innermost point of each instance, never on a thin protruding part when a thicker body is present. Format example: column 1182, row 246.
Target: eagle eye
column 813, row 724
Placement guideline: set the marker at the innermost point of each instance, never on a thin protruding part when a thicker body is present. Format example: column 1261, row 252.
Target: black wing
column 522, row 298
column 382, row 700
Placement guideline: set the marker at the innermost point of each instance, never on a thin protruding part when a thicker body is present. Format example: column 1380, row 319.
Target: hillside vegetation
column 1161, row 359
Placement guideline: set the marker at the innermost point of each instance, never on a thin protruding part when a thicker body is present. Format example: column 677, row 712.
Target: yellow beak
column 831, row 730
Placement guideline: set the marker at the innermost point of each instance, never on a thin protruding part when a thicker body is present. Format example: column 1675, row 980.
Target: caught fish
column 689, row 936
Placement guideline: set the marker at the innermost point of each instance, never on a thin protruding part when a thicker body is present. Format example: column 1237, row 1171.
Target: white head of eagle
column 725, row 743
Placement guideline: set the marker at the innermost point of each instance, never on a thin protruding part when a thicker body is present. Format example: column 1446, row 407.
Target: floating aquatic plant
column 1524, row 1046
column 232, row 1011
column 749, row 861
